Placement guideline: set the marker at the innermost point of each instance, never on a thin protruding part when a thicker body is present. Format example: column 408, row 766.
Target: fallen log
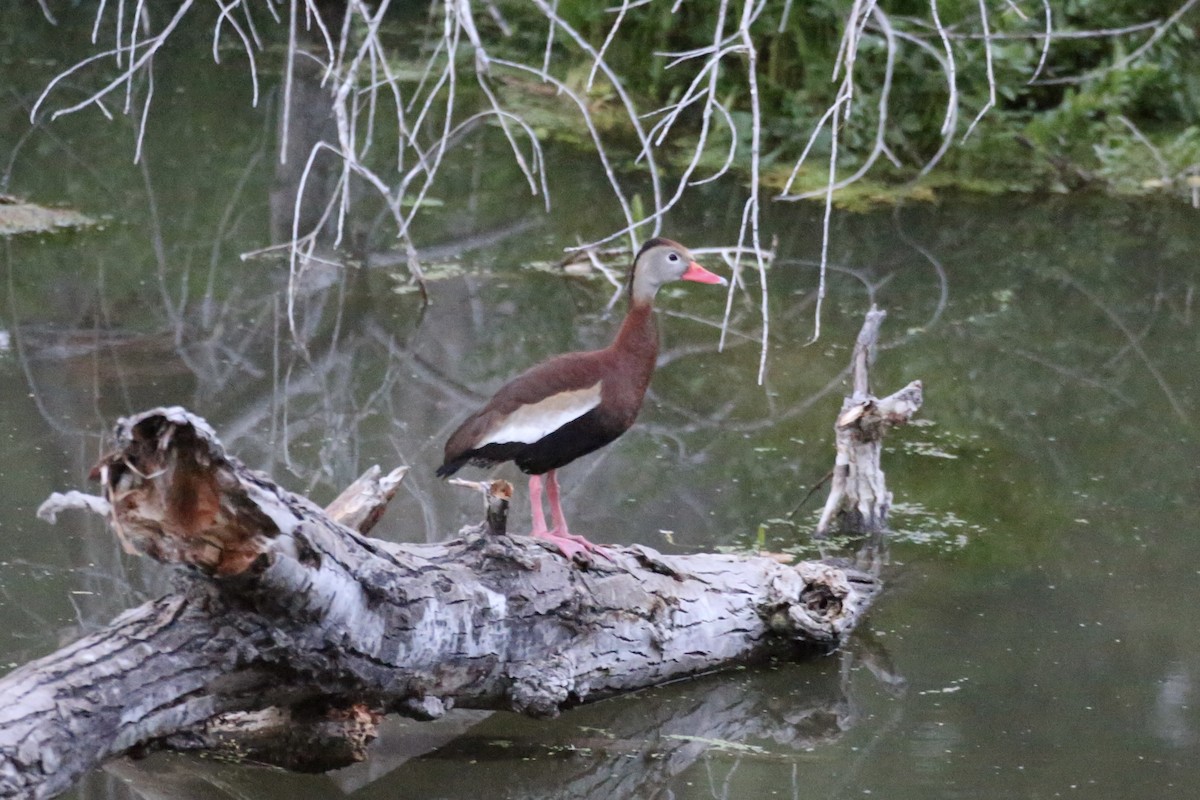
column 283, row 612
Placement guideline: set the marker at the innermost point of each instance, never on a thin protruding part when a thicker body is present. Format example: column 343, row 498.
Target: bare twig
column 1045, row 41
column 1160, row 30
column 1164, row 171
column 991, row 74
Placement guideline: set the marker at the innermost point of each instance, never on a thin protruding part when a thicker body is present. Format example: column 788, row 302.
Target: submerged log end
column 823, row 606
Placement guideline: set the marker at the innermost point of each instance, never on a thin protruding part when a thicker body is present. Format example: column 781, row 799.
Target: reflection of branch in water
column 1133, row 343
column 860, row 275
column 939, row 270
column 1066, row 371
column 460, row 246
column 221, row 340
column 640, row 746
column 666, row 358
column 18, row 343
column 108, row 589
column 636, row 746
column 224, row 226
column 875, row 658
column 794, row 410
column 39, row 132
column 1151, row 319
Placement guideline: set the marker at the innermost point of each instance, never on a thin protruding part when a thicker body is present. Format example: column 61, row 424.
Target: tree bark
column 280, row 607
column 858, row 496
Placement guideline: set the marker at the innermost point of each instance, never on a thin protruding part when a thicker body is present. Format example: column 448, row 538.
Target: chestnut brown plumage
column 572, row 404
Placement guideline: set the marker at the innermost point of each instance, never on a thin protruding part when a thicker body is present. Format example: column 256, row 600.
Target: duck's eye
column 673, row 257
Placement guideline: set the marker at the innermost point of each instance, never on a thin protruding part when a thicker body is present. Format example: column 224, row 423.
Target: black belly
column 556, row 449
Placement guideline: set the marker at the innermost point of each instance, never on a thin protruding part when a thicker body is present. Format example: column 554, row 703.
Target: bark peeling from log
column 287, row 609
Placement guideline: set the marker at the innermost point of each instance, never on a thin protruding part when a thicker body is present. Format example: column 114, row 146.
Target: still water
column 1033, row 640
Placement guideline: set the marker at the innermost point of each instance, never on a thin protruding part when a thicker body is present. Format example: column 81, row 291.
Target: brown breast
column 565, row 407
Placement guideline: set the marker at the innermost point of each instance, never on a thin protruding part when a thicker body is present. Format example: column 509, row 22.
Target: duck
column 575, row 403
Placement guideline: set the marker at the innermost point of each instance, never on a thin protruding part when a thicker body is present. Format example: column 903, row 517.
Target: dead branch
column 858, row 495
column 363, row 502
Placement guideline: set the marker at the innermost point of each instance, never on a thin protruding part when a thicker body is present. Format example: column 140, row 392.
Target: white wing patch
column 530, row 423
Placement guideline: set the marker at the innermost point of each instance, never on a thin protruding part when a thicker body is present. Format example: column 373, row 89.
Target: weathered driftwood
column 858, row 496
column 280, row 607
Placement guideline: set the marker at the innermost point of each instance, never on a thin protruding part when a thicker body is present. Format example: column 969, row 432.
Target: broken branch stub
column 497, row 494
column 361, row 505
column 178, row 498
column 858, row 496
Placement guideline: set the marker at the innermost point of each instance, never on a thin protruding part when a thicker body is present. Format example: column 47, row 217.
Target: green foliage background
column 1045, row 135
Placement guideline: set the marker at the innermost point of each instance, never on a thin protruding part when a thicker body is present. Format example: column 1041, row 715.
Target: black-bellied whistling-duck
column 572, row 404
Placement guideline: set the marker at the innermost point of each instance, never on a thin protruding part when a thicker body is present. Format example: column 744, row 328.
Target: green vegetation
column 1095, row 109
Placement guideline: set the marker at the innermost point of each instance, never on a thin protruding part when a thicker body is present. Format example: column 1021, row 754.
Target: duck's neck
column 637, row 341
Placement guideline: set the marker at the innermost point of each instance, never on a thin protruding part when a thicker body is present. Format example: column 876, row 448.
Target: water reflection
column 1176, row 694
column 629, row 747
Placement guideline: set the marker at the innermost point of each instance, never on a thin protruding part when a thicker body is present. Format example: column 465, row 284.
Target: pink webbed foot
column 572, row 545
column 569, row 544
column 561, row 534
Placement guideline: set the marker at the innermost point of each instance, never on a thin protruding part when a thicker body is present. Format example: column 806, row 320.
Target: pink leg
column 567, row 543
column 560, row 530
column 556, row 512
column 535, row 507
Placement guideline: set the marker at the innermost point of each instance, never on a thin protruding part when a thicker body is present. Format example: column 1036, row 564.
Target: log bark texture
column 280, row 607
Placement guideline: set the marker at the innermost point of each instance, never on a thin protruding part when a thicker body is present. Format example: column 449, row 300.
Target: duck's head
column 662, row 261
